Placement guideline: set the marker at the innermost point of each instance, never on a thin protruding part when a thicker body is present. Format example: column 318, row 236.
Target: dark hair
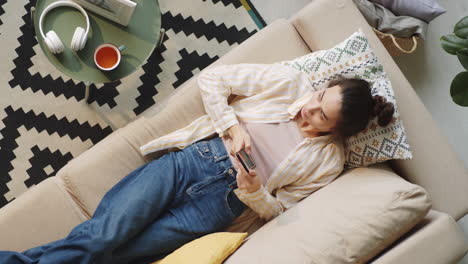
column 359, row 106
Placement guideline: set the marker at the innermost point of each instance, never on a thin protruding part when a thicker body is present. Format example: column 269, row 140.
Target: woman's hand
column 240, row 140
column 247, row 181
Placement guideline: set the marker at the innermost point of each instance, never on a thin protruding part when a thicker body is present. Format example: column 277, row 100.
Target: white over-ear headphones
column 51, row 39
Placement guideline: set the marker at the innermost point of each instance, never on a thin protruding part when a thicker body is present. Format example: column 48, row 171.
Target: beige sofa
column 50, row 210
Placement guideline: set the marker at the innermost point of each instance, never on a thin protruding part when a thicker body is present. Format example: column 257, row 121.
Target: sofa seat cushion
column 43, row 214
column 349, row 221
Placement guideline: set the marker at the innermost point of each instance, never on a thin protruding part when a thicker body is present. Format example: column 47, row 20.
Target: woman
column 293, row 133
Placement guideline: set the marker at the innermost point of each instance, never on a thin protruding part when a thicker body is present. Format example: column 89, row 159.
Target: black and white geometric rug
column 44, row 120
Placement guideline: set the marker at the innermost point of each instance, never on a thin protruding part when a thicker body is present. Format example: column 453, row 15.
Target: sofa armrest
column 435, row 166
column 436, row 240
column 43, row 214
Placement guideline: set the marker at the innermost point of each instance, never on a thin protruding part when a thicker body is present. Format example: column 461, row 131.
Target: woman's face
column 323, row 110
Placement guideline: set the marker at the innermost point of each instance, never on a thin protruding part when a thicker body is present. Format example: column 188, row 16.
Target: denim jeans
column 151, row 212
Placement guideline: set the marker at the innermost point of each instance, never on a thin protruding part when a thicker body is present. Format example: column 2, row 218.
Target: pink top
column 271, row 143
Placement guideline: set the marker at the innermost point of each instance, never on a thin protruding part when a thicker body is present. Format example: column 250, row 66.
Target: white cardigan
column 268, row 93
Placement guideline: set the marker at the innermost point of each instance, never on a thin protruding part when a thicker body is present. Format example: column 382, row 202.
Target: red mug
column 107, row 56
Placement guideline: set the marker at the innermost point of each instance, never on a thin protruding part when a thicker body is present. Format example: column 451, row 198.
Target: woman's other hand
column 240, row 140
column 247, row 181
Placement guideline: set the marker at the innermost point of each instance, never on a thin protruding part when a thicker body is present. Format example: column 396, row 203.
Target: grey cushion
column 385, row 21
column 425, row 10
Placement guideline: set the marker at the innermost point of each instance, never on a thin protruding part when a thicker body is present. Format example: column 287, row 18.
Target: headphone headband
column 58, row 4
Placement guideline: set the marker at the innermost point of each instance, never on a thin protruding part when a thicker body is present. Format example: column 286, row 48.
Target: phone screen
column 246, row 160
column 242, row 161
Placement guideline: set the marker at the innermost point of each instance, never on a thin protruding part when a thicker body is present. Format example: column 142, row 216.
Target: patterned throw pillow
column 354, row 58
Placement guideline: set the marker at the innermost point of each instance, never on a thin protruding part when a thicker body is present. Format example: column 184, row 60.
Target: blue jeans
column 151, row 212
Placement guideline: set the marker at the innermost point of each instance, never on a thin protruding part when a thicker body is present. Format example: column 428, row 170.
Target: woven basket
column 397, row 46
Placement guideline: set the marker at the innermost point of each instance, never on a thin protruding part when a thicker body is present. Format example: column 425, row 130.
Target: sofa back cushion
column 350, row 221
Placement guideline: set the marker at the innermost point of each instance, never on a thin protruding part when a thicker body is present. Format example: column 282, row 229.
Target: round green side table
column 141, row 37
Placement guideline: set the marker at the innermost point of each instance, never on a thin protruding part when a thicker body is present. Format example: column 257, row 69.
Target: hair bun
column 383, row 110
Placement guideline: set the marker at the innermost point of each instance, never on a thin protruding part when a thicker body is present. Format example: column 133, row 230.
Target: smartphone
column 246, row 160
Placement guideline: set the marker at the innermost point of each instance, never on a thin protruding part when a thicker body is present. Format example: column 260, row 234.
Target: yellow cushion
column 210, row 249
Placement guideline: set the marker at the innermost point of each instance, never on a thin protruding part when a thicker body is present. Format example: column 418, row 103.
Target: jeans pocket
column 212, row 149
column 203, row 149
column 207, row 185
